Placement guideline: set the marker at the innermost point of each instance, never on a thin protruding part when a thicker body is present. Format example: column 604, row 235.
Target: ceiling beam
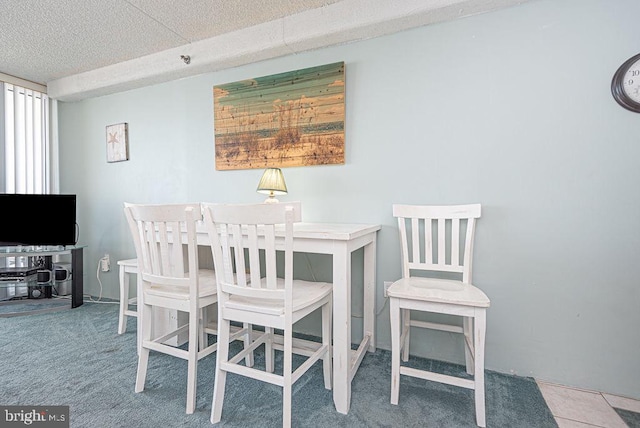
column 7, row 78
column 342, row 22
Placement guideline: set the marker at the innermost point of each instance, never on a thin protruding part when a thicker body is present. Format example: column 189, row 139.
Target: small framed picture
column 118, row 142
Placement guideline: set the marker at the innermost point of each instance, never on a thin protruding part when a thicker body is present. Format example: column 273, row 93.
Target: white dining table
column 340, row 241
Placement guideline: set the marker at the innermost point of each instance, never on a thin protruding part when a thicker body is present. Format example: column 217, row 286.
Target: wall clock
column 625, row 85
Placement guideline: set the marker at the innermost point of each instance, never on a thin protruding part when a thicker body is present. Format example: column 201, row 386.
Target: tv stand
column 77, row 271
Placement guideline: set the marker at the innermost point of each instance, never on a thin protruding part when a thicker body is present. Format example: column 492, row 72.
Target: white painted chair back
column 162, row 260
column 437, row 238
column 247, row 271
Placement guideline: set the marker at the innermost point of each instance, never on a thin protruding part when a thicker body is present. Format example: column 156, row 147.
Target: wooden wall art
column 118, row 142
column 288, row 119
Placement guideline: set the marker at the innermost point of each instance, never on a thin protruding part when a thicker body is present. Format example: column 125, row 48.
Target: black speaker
column 44, row 276
column 61, row 272
column 37, row 292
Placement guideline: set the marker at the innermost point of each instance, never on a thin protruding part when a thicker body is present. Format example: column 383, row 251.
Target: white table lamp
column 272, row 183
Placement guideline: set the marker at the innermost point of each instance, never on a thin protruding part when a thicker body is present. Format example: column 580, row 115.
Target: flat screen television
column 37, row 219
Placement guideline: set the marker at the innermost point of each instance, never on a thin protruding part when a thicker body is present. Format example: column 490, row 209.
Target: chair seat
column 305, row 294
column 439, row 290
column 128, row 262
column 207, row 287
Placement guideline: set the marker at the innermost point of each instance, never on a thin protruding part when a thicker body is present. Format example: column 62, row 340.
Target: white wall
column 511, row 109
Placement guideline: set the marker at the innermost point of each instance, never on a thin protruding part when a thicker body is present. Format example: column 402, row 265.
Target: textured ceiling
column 57, row 38
column 83, row 48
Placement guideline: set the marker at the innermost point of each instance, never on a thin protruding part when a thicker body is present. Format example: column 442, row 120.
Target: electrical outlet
column 387, row 284
column 105, row 263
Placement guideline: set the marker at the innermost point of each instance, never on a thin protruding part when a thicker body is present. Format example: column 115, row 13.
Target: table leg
column 341, row 328
column 140, row 303
column 369, row 305
column 77, row 278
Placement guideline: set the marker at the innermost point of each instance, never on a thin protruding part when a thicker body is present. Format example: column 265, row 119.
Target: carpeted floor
column 75, row 357
column 10, row 308
column 632, row 419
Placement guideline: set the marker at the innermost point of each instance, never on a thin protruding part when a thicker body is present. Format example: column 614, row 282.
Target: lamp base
column 271, row 200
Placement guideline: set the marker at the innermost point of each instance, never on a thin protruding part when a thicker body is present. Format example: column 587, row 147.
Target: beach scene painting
column 288, row 119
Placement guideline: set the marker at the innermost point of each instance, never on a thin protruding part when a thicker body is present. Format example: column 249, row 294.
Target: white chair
column 170, row 278
column 126, row 267
column 438, row 239
column 269, row 301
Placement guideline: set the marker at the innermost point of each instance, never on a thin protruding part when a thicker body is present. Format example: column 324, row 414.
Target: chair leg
column 221, row 375
column 248, row 360
column 203, row 341
column 268, row 350
column 467, row 325
column 192, row 371
column 141, row 376
column 396, row 327
column 406, row 331
column 478, row 342
column 124, row 300
column 287, row 383
column 140, row 311
column 326, row 341
column 143, row 357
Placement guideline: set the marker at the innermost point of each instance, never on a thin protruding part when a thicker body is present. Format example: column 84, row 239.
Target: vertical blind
column 24, row 151
column 26, row 148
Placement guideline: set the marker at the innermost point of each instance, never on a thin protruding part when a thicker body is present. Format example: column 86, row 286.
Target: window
column 24, row 151
column 24, row 140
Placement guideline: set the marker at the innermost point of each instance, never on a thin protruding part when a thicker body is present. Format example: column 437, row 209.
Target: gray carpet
column 632, row 419
column 76, row 358
column 10, row 308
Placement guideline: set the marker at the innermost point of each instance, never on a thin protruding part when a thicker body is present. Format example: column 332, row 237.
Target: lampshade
column 272, row 183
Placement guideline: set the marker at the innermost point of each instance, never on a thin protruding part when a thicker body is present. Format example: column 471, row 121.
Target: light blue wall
column 511, row 109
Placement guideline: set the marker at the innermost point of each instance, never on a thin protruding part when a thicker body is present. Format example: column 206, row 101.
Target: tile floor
column 576, row 408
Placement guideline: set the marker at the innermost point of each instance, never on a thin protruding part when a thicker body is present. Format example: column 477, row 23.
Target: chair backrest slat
column 233, row 250
column 442, row 253
column 415, row 237
column 404, row 246
column 174, row 262
column 468, row 245
column 270, row 256
column 417, row 226
column 455, row 242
